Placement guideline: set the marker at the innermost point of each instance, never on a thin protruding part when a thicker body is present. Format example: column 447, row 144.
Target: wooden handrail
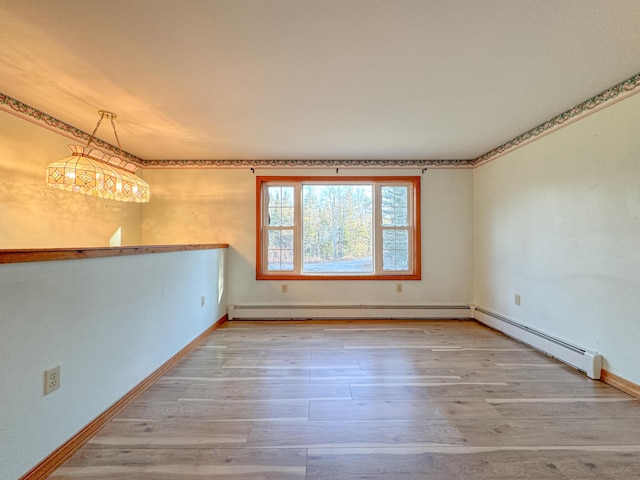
column 49, row 254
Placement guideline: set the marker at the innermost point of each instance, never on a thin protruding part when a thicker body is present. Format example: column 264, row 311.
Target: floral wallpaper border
column 621, row 90
column 305, row 163
column 611, row 95
column 47, row 121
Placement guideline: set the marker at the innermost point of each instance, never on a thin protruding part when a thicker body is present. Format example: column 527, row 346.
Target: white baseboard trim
column 585, row 360
column 339, row 312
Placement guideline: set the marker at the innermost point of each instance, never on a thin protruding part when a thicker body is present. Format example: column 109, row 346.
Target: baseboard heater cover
column 585, row 360
column 328, row 312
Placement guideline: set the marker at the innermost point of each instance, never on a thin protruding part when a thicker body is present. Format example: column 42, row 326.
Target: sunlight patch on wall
column 221, row 276
column 116, row 238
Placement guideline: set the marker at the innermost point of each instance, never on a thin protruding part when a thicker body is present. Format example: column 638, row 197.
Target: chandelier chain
column 113, row 124
column 93, row 134
column 111, row 116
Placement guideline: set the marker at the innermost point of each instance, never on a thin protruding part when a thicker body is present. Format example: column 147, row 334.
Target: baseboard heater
column 335, row 312
column 585, row 360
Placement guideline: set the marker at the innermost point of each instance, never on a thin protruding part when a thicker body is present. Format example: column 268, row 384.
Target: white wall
column 218, row 205
column 109, row 323
column 558, row 222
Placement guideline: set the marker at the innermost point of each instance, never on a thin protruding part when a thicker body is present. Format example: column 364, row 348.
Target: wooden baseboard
column 620, row 383
column 60, row 455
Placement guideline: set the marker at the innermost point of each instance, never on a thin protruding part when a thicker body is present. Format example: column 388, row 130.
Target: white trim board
column 336, row 312
column 585, row 360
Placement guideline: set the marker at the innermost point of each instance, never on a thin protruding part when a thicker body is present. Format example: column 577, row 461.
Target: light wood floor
column 445, row 400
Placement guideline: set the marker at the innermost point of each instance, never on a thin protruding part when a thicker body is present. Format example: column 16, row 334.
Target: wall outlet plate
column 51, row 380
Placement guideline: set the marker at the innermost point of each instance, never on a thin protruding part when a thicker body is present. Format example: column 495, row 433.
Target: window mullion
column 297, row 225
column 377, row 227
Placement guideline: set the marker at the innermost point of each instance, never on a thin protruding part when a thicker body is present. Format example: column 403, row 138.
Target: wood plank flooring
column 375, row 400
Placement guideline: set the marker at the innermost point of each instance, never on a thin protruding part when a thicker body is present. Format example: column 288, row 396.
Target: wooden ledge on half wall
column 50, row 254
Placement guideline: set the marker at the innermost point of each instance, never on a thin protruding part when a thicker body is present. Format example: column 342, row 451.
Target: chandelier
column 92, row 172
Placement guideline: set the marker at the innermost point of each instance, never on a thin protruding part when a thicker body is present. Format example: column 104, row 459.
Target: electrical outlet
column 285, row 288
column 399, row 287
column 51, row 380
column 202, row 300
column 516, row 299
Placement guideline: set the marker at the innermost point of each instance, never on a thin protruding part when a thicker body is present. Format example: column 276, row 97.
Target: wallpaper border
column 605, row 98
column 307, row 163
column 11, row 105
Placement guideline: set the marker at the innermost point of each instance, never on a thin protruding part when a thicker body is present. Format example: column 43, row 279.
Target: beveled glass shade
column 91, row 172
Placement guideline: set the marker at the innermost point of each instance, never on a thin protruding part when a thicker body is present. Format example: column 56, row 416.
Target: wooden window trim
column 416, row 261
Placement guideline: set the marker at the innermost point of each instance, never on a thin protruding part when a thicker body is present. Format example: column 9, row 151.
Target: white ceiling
column 314, row 79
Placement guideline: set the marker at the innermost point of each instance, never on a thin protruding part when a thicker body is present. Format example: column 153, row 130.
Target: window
column 349, row 228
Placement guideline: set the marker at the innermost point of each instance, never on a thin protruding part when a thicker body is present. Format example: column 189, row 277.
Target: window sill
column 372, row 277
